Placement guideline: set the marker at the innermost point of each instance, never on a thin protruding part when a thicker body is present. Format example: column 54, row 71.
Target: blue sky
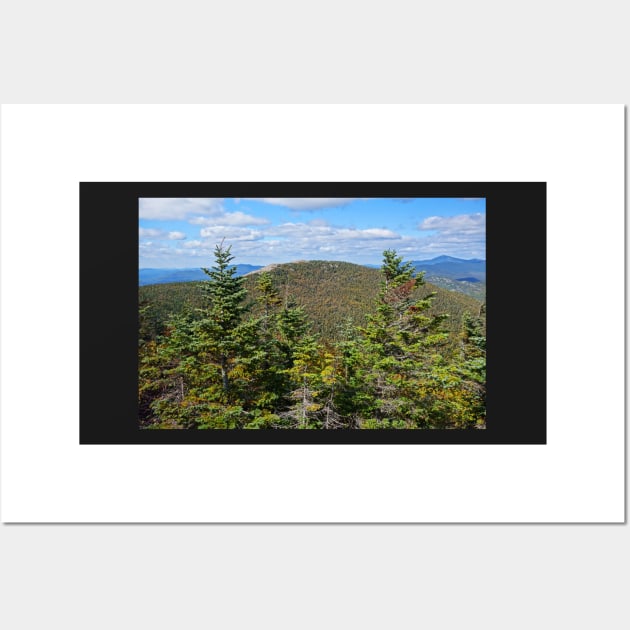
column 183, row 232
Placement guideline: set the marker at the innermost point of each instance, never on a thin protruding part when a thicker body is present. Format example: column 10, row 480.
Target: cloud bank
column 306, row 204
column 197, row 225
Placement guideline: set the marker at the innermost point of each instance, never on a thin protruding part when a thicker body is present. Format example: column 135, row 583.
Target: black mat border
column 516, row 297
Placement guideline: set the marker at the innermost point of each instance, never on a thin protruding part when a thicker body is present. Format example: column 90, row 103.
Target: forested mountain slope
column 310, row 345
column 330, row 292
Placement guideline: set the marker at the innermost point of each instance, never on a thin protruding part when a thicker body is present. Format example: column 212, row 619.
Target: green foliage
column 395, row 273
column 223, row 292
column 329, row 292
column 313, row 345
column 221, row 315
column 475, row 290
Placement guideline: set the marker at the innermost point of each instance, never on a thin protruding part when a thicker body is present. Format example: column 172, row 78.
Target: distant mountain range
column 447, row 263
column 163, row 276
column 448, row 259
column 454, row 268
column 456, row 274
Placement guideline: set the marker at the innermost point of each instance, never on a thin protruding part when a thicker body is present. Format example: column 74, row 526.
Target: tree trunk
column 304, row 403
column 224, row 374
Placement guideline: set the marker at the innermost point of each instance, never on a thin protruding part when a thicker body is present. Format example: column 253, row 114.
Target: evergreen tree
column 269, row 297
column 169, row 374
column 264, row 383
column 224, row 294
column 394, row 272
column 473, row 369
column 304, row 373
column 396, row 349
column 214, row 367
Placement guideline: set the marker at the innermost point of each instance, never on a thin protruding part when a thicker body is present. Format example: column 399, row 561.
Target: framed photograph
column 313, row 313
column 115, row 408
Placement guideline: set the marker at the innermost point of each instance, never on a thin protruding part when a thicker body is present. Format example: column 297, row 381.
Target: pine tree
column 261, row 355
column 397, row 346
column 304, row 377
column 472, row 369
column 224, row 294
column 197, row 354
column 169, row 375
column 394, row 272
column 269, row 299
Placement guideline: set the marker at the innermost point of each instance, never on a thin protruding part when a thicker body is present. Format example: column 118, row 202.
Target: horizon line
column 323, row 260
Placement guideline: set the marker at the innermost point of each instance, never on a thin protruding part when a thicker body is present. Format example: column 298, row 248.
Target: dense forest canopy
column 310, row 345
column 330, row 292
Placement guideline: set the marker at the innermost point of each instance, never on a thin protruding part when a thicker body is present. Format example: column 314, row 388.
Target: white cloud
column 256, row 240
column 463, row 235
column 298, row 230
column 150, row 233
column 370, row 233
column 167, row 208
column 230, row 233
column 317, row 229
column 306, row 204
column 149, row 249
column 230, row 218
column 459, row 224
column 160, row 235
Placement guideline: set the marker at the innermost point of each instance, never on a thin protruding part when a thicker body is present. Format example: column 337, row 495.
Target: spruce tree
column 261, row 351
column 397, row 348
column 472, row 370
column 224, row 294
column 170, row 374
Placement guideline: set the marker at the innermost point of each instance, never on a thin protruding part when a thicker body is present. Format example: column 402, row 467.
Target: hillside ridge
column 330, row 292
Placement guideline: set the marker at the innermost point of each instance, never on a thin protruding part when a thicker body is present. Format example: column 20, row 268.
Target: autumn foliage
column 242, row 360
